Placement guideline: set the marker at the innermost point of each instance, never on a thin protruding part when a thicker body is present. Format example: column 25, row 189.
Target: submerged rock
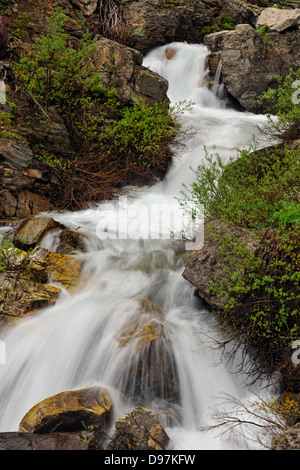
column 149, row 370
column 70, row 411
column 139, row 430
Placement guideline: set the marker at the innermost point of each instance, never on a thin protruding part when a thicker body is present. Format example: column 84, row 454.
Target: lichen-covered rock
column 27, row 282
column 155, row 23
column 70, row 411
column 287, row 440
column 279, row 20
column 139, row 430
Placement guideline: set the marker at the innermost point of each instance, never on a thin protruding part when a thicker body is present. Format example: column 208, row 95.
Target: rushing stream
column 76, row 342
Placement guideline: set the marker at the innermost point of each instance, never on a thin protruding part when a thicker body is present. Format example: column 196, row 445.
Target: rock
column 279, row 20
column 32, row 230
column 23, row 295
column 241, row 11
column 25, row 284
column 64, row 270
column 249, row 63
column 287, row 440
column 70, row 242
column 21, row 204
column 3, row 37
column 88, row 7
column 149, row 370
column 155, row 23
column 139, row 430
column 16, row 153
column 70, row 411
column 122, row 70
column 208, row 265
column 18, row 441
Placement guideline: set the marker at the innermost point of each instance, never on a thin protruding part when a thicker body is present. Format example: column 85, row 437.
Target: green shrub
column 284, row 102
column 113, row 143
column 245, row 192
column 259, row 296
column 143, row 136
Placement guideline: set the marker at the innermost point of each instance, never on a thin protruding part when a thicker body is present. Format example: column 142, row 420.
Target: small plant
column 284, row 103
column 262, row 31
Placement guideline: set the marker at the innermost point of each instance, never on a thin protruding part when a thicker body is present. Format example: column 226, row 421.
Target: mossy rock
column 139, row 430
column 70, row 411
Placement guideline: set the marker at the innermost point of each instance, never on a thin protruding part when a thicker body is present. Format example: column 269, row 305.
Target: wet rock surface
column 250, row 61
column 70, row 411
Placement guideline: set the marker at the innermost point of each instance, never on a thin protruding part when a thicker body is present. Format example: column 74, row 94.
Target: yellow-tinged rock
column 70, row 411
column 139, row 430
column 63, row 269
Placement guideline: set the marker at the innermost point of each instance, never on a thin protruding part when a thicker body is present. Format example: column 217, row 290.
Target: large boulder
column 70, row 411
column 32, row 230
column 251, row 61
column 242, row 11
column 139, row 430
column 122, row 71
column 154, row 23
column 279, row 20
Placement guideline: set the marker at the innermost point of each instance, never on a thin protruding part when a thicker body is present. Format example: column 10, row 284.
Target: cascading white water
column 76, row 342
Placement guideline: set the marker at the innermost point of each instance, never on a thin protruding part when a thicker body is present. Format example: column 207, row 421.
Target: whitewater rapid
column 73, row 344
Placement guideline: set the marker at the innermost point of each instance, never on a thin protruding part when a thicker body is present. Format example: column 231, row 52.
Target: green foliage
column 225, row 21
column 249, row 191
column 263, row 30
column 7, row 126
column 259, row 296
column 284, row 102
column 222, row 22
column 261, row 293
column 142, row 136
column 58, row 74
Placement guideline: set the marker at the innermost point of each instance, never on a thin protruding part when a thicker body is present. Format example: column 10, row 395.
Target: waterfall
column 218, row 87
column 133, row 285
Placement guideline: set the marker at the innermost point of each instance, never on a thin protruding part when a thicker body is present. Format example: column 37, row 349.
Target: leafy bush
column 59, row 74
column 259, row 294
column 285, row 104
column 143, row 136
column 113, row 144
column 247, row 191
